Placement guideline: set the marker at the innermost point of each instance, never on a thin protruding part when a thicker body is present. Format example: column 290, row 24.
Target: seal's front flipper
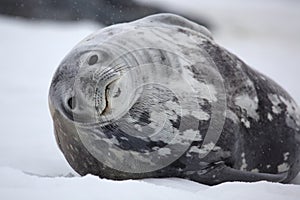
column 222, row 173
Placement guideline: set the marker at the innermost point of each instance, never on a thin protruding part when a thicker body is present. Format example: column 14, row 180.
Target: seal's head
column 87, row 85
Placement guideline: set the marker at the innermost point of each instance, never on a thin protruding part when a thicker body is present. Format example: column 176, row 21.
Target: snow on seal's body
column 157, row 97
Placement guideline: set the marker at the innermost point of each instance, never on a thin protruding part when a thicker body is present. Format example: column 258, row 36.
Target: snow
column 30, row 53
column 264, row 34
column 16, row 185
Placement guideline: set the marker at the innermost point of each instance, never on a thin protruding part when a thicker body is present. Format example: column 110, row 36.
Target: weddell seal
column 157, row 97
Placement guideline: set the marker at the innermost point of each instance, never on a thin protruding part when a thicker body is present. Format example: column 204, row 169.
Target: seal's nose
column 82, row 106
column 68, row 107
column 71, row 103
column 88, row 103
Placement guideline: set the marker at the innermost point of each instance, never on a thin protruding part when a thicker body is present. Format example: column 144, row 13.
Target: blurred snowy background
column 265, row 34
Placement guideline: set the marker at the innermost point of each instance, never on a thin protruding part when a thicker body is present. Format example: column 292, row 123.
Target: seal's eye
column 93, row 60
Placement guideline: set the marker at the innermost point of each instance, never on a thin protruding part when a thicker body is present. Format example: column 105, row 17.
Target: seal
column 157, row 97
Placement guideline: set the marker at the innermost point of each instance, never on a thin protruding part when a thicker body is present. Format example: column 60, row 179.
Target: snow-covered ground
column 265, row 34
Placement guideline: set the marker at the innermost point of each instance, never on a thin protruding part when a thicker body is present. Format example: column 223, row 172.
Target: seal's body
column 158, row 97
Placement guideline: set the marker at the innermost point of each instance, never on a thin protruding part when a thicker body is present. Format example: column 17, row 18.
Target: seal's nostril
column 71, row 103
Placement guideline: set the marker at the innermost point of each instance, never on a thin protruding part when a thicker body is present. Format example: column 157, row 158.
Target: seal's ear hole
column 71, row 103
column 93, row 60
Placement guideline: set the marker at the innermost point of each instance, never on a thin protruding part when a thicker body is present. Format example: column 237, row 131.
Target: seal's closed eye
column 93, row 60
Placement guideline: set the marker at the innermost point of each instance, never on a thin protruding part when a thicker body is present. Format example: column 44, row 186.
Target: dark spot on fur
column 159, row 144
column 182, row 31
column 145, row 116
column 176, row 123
column 178, row 165
column 117, row 94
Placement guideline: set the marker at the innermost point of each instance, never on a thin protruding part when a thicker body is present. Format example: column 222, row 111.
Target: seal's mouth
column 108, row 88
